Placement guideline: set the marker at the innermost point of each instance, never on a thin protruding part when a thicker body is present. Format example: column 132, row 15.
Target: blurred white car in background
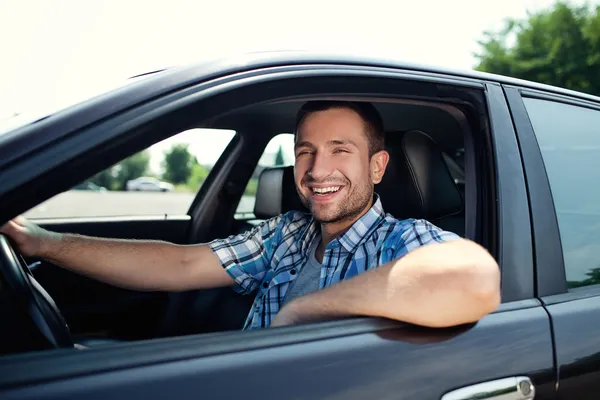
column 149, row 185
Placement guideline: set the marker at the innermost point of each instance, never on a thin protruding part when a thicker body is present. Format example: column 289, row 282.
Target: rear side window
column 569, row 139
column 278, row 153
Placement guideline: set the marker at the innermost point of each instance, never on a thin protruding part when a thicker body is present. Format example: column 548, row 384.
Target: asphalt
column 109, row 204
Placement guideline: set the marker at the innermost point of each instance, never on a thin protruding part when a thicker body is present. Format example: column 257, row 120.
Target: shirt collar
column 361, row 230
column 356, row 234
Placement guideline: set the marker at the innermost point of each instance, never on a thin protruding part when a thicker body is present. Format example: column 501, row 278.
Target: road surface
column 102, row 204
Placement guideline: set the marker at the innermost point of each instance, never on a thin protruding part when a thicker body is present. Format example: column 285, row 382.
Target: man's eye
column 340, row 151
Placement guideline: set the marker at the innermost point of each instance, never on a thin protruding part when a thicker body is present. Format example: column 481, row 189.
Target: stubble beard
column 346, row 209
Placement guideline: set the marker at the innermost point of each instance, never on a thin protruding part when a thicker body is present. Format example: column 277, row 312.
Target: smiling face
column 334, row 173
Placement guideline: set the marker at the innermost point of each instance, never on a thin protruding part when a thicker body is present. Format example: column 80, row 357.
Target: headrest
column 417, row 182
column 276, row 193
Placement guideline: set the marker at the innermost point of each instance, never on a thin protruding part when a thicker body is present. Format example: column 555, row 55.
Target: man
column 346, row 258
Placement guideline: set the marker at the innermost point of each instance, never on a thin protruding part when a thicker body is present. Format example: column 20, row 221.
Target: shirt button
column 293, row 272
column 265, row 285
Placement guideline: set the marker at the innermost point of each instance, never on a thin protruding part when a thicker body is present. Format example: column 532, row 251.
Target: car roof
column 157, row 83
column 248, row 61
column 266, row 59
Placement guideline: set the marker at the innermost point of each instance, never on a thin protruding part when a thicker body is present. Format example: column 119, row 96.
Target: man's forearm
column 134, row 264
column 438, row 285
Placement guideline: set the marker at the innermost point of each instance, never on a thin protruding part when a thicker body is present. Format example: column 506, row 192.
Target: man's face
column 334, row 174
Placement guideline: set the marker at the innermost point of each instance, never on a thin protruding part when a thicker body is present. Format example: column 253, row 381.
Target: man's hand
column 286, row 316
column 306, row 309
column 30, row 239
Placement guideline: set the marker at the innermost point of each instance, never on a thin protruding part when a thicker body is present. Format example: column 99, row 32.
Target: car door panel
column 576, row 326
column 353, row 360
column 94, row 308
column 172, row 228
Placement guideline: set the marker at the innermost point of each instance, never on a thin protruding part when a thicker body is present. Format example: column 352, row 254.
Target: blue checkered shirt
column 271, row 255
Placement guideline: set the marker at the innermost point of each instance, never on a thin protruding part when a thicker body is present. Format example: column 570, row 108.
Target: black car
column 509, row 164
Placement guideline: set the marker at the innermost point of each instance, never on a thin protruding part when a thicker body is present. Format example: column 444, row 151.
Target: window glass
column 279, row 152
column 569, row 139
column 162, row 179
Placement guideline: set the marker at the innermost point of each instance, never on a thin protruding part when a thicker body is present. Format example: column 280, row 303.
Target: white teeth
column 326, row 189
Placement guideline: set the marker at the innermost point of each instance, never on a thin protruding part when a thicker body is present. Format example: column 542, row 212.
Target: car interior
column 427, row 177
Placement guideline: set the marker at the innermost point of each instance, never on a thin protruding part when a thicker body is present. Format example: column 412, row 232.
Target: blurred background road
column 77, row 203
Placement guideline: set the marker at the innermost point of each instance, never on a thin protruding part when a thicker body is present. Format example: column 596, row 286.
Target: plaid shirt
column 271, row 255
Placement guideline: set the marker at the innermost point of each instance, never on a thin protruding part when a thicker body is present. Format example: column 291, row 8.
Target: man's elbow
column 482, row 278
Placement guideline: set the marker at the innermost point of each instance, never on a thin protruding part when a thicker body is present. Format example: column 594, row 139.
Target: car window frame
column 549, row 261
column 515, row 255
column 551, row 279
column 514, row 230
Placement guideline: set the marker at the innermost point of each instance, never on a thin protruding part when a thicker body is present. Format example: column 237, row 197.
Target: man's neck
column 333, row 230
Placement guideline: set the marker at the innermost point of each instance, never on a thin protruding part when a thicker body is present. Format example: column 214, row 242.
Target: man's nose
column 321, row 167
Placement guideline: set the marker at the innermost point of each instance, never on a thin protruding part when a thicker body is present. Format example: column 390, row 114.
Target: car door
column 507, row 351
column 93, row 308
column 564, row 152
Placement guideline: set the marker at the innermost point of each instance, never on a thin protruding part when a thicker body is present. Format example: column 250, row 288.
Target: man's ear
column 379, row 162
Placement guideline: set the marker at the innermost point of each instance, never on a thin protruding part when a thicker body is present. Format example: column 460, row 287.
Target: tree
column 593, row 279
column 279, row 160
column 178, row 164
column 116, row 177
column 197, row 176
column 131, row 168
column 105, row 179
column 559, row 46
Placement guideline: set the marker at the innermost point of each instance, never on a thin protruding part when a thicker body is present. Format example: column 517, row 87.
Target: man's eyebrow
column 334, row 142
column 338, row 142
column 303, row 143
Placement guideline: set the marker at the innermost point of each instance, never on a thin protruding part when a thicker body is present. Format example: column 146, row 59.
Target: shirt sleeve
column 246, row 257
column 421, row 233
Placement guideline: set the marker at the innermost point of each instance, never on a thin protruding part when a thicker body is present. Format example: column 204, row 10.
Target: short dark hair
column 367, row 111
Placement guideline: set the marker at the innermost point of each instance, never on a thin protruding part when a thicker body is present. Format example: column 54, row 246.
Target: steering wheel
column 31, row 296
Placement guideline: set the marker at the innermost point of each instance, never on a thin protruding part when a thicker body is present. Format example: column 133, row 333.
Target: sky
column 56, row 53
column 208, row 144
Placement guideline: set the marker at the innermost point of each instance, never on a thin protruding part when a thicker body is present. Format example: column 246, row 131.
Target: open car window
column 161, row 180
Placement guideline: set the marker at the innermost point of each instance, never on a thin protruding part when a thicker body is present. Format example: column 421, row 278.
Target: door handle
column 513, row 388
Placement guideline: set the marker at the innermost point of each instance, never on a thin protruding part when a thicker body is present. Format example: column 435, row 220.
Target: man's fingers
column 20, row 221
column 10, row 226
column 4, row 228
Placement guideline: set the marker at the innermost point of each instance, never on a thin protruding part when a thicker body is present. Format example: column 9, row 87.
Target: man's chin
column 332, row 213
column 324, row 215
column 328, row 215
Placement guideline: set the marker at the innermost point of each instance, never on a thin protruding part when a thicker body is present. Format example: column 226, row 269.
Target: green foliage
column 197, row 176
column 279, row 159
column 116, row 177
column 105, row 179
column 131, row 168
column 178, row 164
column 594, row 279
column 251, row 187
column 559, row 46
